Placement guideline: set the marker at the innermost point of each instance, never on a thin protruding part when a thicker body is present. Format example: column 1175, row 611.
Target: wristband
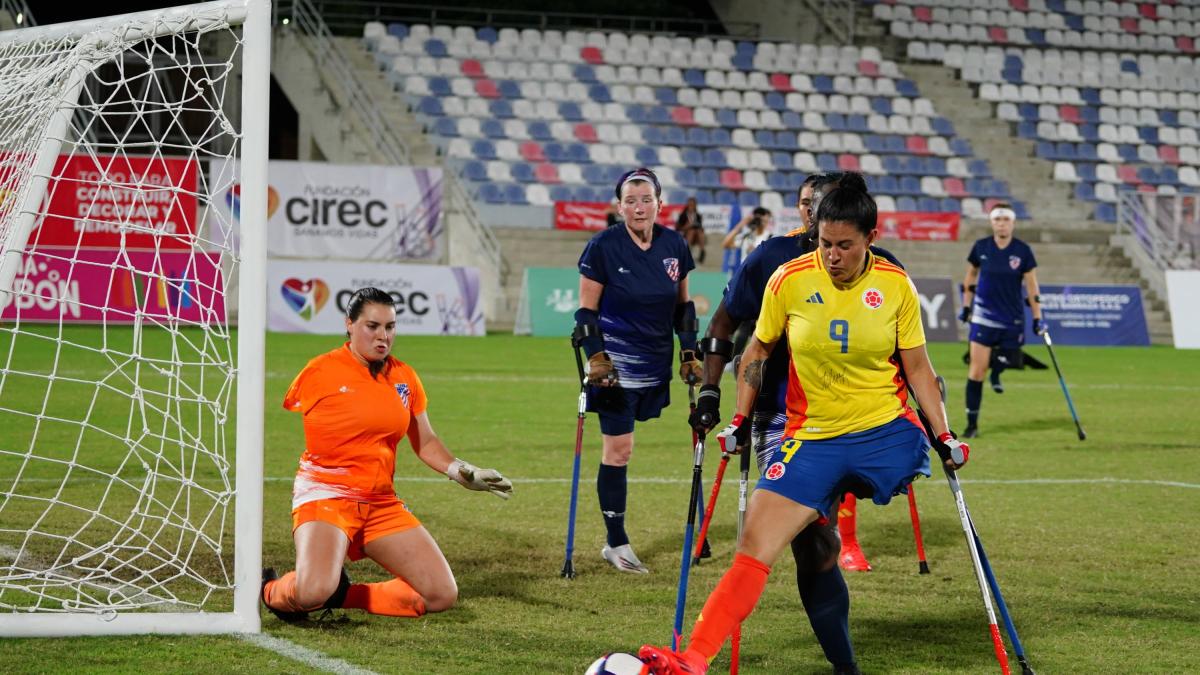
column 946, row 436
column 722, row 348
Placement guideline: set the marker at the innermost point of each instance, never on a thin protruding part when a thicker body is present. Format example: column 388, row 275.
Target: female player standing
column 845, row 313
column 998, row 266
column 633, row 293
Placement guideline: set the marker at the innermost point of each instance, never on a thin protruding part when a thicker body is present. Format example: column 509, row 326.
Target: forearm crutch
column 688, row 529
column 708, row 511
column 743, row 481
column 922, row 566
column 568, row 568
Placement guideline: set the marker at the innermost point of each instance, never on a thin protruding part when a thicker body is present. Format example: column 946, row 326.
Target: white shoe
column 624, row 559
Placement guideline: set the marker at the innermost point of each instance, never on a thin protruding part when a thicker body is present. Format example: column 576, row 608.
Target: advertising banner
column 917, row 226
column 1092, row 315
column 311, row 296
column 1183, row 286
column 550, row 296
column 937, row 308
column 318, row 210
column 593, row 216
column 113, row 201
column 114, row 287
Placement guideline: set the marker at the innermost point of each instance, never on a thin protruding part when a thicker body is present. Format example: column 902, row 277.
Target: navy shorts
column 877, row 463
column 1004, row 338
column 618, row 407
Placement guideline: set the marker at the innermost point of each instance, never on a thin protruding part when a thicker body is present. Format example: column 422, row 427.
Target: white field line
column 308, row 657
column 965, row 481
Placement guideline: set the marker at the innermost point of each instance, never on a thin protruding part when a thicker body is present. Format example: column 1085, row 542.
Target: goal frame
column 254, row 17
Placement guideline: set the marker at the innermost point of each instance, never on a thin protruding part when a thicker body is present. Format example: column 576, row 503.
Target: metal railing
column 1166, row 226
column 347, row 17
column 340, row 78
column 838, row 16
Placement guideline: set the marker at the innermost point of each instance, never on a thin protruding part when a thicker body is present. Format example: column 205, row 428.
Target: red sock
column 848, row 520
column 388, row 598
column 728, row 605
column 281, row 594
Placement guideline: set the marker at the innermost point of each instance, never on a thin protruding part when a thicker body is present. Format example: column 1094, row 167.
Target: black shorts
column 618, row 407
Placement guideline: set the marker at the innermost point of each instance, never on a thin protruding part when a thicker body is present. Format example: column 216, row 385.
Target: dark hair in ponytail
column 370, row 295
column 849, row 202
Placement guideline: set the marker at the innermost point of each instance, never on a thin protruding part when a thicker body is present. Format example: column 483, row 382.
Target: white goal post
column 131, row 386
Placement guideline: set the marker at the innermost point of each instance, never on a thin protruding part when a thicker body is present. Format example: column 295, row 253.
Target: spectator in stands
column 691, row 226
column 612, row 215
column 750, row 231
column 358, row 403
column 998, row 266
column 633, row 292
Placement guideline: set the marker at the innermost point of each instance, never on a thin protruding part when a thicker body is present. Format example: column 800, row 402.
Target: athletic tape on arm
column 587, row 331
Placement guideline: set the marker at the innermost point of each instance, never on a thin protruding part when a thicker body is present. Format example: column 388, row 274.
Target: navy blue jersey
column 743, row 298
column 637, row 307
column 999, row 302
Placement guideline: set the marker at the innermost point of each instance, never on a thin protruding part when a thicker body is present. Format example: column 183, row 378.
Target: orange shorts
column 362, row 522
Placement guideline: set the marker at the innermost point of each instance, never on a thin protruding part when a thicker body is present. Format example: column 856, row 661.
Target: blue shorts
column 1004, row 338
column 618, row 407
column 876, row 463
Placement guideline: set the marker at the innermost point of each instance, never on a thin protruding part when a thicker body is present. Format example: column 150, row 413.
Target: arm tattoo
column 753, row 374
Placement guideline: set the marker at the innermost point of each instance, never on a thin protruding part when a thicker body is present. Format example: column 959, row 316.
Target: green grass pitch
column 1094, row 543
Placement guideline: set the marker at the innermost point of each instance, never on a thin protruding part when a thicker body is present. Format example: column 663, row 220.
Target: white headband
column 1001, row 212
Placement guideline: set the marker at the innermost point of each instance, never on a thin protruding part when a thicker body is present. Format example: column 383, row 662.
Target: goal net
column 131, row 321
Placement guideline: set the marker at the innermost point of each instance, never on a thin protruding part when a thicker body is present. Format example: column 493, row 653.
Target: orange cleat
column 852, row 559
column 663, row 661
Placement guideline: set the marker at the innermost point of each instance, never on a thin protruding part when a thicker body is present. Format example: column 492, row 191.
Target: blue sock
column 974, row 400
column 611, row 488
column 827, row 601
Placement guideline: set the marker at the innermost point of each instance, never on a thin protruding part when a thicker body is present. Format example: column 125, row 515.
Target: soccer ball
column 617, row 663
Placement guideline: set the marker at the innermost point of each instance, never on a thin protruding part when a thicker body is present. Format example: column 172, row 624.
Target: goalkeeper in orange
column 845, row 314
column 358, row 403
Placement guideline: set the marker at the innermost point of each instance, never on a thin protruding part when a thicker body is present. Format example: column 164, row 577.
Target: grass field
column 1094, row 543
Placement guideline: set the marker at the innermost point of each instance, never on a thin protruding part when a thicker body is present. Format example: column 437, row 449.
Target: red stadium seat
column 1168, row 154
column 1020, row 5
column 1128, row 174
column 1147, row 188
column 916, row 145
column 923, row 13
column 1130, row 25
column 487, row 88
column 847, row 162
column 592, row 55
column 1070, row 113
column 781, row 82
column 531, row 151
column 471, row 68
column 955, row 187
column 1148, row 10
column 868, row 68
column 732, row 179
column 585, row 132
column 998, row 34
column 1185, row 44
column 546, row 173
column 682, row 115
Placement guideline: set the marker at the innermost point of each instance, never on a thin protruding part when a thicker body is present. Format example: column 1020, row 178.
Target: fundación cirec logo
column 306, row 298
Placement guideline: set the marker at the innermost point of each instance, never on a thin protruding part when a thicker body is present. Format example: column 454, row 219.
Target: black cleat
column 971, row 432
column 997, row 385
column 338, row 599
column 269, row 574
column 847, row 669
column 705, row 551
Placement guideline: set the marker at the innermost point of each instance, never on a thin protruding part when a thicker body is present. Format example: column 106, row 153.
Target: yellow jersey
column 844, row 371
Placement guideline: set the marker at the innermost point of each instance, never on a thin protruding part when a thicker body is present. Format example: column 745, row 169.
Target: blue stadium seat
column 569, row 111
column 1090, row 95
column 487, row 34
column 578, row 153
column 653, row 135
column 1000, row 189
column 596, row 173
column 950, row 205
column 1148, row 175
column 1027, row 130
column 743, row 62
column 686, row 177
column 881, row 105
column 483, row 150
column 637, row 114
column 501, row 109
column 522, row 172
column 857, row 124
column 793, row 120
column 435, row 48
column 977, row 187
column 764, row 139
column 1089, row 132
column 894, row 164
column 979, row 168
column 942, row 126
column 585, row 193
column 715, row 157
column 397, row 30
column 928, row 204
column 907, row 89
column 697, row 136
column 721, row 137
column 429, row 105
column 727, row 118
column 693, row 157
column 1130, row 66
column 584, row 73
column 827, row 162
column 493, row 128
column 961, row 147
column 439, row 86
column 599, row 93
column 895, row 144
column 673, row 136
column 474, row 170
column 1074, row 22
column 725, row 196
column 509, row 89
column 539, row 131
column 1085, row 192
column 936, row 166
column 666, row 96
column 555, row 152
column 786, row 140
column 491, row 193
column 1106, row 212
column 708, row 178
column 1018, row 206
column 658, row 114
column 447, row 127
column 776, row 101
column 910, row 185
column 515, row 194
column 694, row 77
column 646, row 156
column 874, row 143
column 1066, row 151
column 1028, row 112
column 1169, row 176
column 778, row 181
column 906, row 203
column 835, row 121
column 1012, row 75
column 1168, row 118
column 1086, row 171
column 1148, row 134
column 914, row 165
column 1091, row 114
column 781, row 160
column 703, row 196
column 1127, row 152
column 748, row 199
column 1036, row 36
column 1045, row 150
column 823, row 84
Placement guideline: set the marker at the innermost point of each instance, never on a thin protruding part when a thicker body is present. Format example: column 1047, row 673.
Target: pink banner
column 105, row 286
column 918, row 226
column 120, row 201
column 592, row 215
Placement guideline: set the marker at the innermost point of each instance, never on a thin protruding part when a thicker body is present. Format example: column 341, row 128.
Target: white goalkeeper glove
column 473, row 478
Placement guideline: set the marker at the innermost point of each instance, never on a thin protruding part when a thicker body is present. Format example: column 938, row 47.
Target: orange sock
column 281, row 594
column 848, row 520
column 730, row 603
column 388, row 598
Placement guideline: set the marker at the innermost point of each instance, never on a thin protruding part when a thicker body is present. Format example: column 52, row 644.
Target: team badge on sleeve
column 873, row 298
column 671, row 265
column 775, row 471
column 402, row 389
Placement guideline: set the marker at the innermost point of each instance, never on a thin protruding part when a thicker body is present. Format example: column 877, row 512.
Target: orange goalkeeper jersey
column 352, row 425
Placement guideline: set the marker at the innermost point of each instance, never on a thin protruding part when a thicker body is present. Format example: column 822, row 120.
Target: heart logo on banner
column 233, row 199
column 306, row 298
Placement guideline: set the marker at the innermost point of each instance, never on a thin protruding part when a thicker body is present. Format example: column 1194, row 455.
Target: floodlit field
column 1093, row 543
